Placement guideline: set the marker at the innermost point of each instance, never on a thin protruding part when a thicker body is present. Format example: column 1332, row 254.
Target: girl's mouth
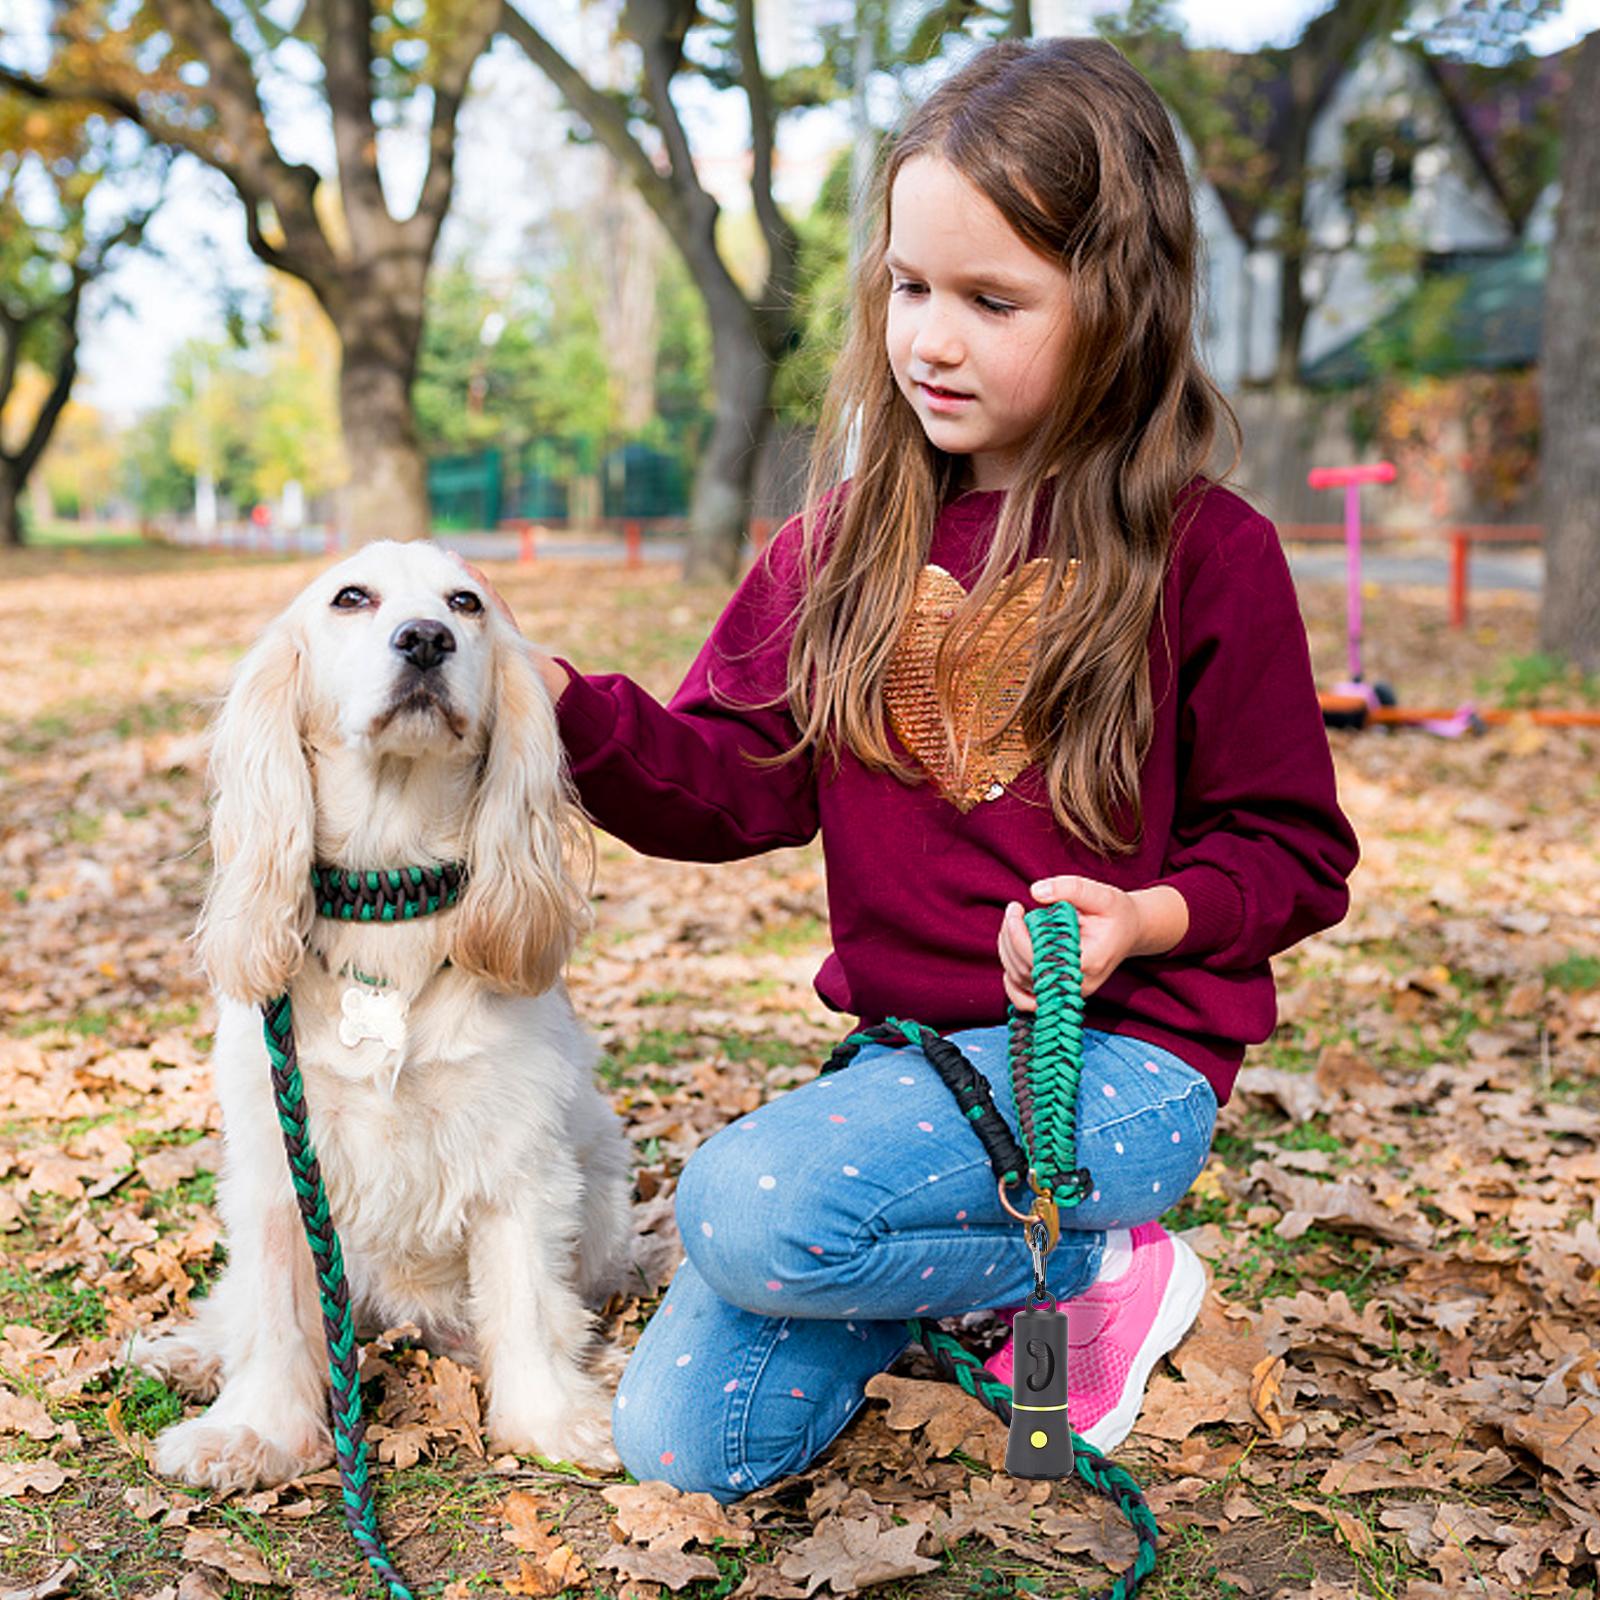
column 938, row 399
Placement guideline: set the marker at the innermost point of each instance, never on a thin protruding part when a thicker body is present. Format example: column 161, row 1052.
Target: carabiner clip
column 1038, row 1249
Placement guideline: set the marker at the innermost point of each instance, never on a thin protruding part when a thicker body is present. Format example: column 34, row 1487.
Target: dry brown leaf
column 41, row 1476
column 23, row 1414
column 674, row 1568
column 1347, row 1203
column 228, row 1553
column 851, row 1554
column 167, row 1167
column 655, row 1514
column 1266, row 1385
column 1567, row 1441
column 455, row 1402
column 401, row 1446
column 552, row 1565
column 57, row 1581
column 135, row 1444
column 764, row 1582
column 951, row 1418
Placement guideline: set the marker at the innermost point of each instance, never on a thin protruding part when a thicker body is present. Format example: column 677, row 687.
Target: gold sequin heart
column 986, row 758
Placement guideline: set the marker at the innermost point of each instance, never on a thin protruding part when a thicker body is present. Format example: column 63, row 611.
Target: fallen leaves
column 57, row 1581
column 227, row 1553
column 39, row 1476
column 1402, row 1218
column 949, row 1417
column 654, row 1522
column 551, row 1564
column 849, row 1554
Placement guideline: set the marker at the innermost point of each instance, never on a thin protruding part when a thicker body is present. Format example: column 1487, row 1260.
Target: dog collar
column 391, row 894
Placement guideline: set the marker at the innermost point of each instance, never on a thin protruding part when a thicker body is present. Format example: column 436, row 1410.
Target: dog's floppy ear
column 528, row 846
column 258, row 910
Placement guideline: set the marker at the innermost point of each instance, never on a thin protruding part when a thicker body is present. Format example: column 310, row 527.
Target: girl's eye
column 908, row 286
column 998, row 307
column 352, row 598
column 466, row 602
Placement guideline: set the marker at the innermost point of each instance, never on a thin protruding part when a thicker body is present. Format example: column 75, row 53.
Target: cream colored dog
column 477, row 1178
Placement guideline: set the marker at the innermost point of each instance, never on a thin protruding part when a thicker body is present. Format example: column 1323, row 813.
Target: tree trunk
column 388, row 493
column 10, row 504
column 724, row 483
column 1293, row 312
column 1569, row 370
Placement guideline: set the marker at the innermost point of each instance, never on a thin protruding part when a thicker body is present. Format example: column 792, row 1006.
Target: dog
column 478, row 1180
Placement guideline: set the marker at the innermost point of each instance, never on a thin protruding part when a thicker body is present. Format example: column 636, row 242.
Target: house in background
column 1410, row 156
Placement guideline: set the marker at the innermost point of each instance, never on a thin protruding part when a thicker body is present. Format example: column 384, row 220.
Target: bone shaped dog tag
column 372, row 1014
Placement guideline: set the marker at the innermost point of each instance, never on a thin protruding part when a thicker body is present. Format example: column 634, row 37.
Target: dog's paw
column 191, row 1366
column 215, row 1455
column 580, row 1433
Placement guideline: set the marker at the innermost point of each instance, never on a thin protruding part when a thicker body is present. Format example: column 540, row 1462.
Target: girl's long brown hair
column 1076, row 151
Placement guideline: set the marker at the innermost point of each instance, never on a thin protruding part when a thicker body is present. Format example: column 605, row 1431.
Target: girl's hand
column 555, row 676
column 479, row 577
column 1112, row 925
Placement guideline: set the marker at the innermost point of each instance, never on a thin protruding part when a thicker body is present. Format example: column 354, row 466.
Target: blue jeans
column 817, row 1224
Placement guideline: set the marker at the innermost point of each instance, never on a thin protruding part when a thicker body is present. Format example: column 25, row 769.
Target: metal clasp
column 1044, row 1211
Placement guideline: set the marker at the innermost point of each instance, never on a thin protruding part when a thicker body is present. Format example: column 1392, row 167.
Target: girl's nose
column 937, row 341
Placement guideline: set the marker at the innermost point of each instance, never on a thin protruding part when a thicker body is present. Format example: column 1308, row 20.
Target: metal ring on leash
column 1010, row 1210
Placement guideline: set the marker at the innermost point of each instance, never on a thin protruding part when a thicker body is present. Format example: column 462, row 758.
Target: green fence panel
column 465, row 491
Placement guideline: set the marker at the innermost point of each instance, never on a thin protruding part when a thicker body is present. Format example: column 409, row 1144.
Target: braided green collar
column 391, row 894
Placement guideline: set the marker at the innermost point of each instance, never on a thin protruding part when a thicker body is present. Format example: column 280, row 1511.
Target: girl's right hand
column 549, row 669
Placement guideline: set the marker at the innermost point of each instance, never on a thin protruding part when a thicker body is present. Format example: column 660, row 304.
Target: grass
column 52, row 1302
column 1577, row 974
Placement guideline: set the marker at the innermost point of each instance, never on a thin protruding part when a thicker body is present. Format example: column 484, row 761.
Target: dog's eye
column 466, row 602
column 352, row 598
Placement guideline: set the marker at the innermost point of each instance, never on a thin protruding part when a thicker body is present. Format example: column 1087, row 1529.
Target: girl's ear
column 257, row 916
column 527, row 843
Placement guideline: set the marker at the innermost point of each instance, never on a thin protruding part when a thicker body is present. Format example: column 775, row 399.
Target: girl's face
column 978, row 320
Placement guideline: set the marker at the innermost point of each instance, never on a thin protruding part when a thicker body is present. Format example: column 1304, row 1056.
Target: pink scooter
column 1349, row 704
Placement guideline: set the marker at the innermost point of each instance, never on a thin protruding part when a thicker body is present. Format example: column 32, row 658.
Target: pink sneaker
column 1117, row 1332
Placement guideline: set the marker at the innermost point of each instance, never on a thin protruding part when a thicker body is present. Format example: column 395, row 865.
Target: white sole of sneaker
column 1186, row 1289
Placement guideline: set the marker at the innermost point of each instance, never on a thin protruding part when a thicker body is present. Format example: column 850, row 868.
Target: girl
column 1029, row 649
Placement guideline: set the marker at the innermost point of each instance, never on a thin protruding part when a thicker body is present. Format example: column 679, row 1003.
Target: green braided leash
column 1046, row 1068
column 397, row 894
column 958, row 1363
column 1047, row 1058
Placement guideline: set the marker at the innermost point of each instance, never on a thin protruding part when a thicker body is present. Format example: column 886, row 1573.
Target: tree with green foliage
column 751, row 333
column 643, row 131
column 73, row 198
column 201, row 78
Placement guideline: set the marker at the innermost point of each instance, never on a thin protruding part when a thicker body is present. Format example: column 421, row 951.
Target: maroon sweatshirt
column 1240, row 812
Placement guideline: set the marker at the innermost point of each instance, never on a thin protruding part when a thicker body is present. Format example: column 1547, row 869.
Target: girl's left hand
column 1112, row 925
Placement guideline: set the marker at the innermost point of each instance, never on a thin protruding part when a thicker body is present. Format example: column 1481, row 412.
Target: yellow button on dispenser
column 1038, row 1439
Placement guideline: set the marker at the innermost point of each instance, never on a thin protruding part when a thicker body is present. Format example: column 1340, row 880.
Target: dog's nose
column 423, row 643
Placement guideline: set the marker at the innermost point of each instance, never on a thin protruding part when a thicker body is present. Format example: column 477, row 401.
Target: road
column 1492, row 569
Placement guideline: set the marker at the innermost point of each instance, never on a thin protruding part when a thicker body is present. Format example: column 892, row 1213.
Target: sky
column 142, row 313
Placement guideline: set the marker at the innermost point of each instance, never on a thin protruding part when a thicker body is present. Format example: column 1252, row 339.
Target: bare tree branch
column 347, row 68
column 259, row 171
column 783, row 245
column 602, row 113
column 11, row 331
column 476, row 29
column 310, row 258
column 658, row 29
column 25, row 459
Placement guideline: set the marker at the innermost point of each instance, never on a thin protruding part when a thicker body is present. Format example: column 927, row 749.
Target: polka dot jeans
column 816, row 1225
